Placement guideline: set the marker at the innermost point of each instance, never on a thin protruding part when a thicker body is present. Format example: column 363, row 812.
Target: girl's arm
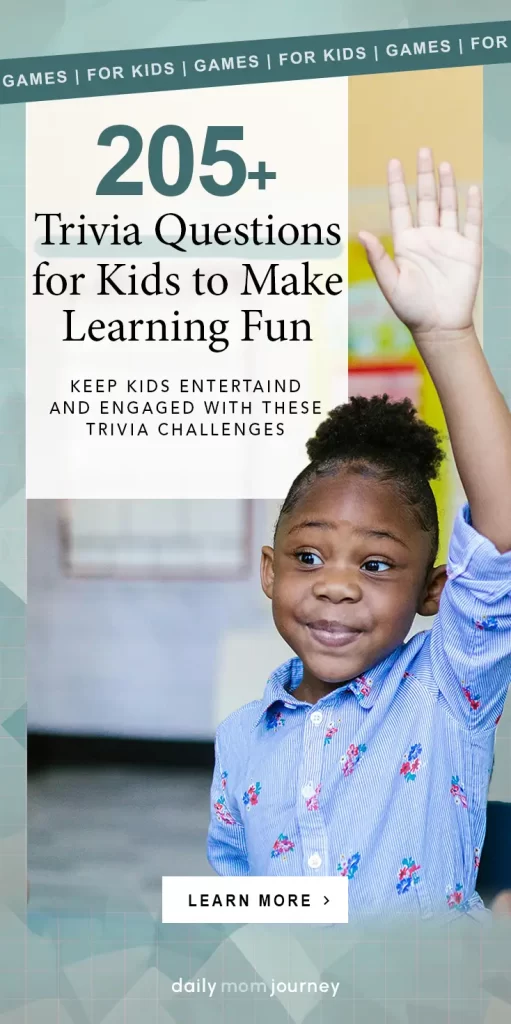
column 431, row 285
column 226, row 847
column 479, row 425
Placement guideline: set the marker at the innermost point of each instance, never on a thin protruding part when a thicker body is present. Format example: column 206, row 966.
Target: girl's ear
column 430, row 597
column 267, row 570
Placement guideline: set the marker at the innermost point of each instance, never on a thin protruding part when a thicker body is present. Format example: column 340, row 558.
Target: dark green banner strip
column 268, row 60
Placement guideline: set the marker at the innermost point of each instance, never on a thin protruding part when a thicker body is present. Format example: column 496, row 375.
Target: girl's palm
column 432, row 282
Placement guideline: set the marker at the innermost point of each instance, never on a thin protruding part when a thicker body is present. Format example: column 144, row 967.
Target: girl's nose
column 337, row 585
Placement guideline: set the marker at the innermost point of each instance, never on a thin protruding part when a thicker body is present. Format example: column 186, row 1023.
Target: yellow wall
column 392, row 115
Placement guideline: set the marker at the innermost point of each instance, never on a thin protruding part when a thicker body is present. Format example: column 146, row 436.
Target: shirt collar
column 280, row 685
column 286, row 678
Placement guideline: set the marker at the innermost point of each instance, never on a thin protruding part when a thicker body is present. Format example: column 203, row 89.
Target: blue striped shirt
column 385, row 779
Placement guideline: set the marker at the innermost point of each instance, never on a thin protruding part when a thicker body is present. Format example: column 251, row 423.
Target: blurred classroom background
column 147, row 626
column 146, row 622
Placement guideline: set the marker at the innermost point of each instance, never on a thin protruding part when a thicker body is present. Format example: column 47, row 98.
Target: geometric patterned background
column 119, row 968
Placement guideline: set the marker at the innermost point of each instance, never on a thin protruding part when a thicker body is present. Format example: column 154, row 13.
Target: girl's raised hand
column 432, row 281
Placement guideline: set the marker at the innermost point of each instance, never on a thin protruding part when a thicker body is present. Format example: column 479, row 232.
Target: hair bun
column 376, row 428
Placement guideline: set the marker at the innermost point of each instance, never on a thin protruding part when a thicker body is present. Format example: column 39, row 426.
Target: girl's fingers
column 448, row 198
column 427, row 203
column 400, row 210
column 383, row 267
column 474, row 215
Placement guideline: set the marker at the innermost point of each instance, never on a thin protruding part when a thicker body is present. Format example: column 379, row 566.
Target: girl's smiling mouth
column 329, row 633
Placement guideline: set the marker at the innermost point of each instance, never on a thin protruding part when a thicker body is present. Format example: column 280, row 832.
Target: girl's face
column 347, row 576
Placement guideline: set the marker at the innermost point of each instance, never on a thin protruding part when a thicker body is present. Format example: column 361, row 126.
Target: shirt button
column 316, row 717
column 314, row 860
column 308, row 790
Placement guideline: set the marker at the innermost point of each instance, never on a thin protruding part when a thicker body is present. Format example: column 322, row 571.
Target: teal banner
column 243, row 63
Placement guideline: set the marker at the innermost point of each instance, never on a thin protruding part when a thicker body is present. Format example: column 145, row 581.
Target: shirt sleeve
column 470, row 642
column 227, row 852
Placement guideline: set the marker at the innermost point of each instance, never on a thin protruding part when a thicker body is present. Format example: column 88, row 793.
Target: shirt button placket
column 312, row 826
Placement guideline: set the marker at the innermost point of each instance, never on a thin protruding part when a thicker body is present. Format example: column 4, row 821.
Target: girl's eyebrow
column 381, row 533
column 325, row 524
column 318, row 524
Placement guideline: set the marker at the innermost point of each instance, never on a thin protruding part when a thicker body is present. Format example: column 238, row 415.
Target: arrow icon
column 326, row 900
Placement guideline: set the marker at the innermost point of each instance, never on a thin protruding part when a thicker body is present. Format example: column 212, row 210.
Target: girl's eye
column 375, row 565
column 308, row 558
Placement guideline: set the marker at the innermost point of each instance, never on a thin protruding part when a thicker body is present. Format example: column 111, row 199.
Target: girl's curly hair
column 380, row 438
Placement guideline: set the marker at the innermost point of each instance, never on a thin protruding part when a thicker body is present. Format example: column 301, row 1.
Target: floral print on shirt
column 275, row 720
column 473, row 698
column 407, row 875
column 412, row 763
column 352, row 757
column 251, row 795
column 311, row 800
column 281, row 846
column 455, row 898
column 362, row 687
column 347, row 866
column 489, row 622
column 458, row 792
column 331, row 731
column 222, row 812
column 223, row 779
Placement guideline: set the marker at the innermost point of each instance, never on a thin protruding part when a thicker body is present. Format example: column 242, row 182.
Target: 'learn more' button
column 254, row 900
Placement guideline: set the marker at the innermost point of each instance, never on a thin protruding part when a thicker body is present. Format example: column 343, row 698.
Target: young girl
column 369, row 757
